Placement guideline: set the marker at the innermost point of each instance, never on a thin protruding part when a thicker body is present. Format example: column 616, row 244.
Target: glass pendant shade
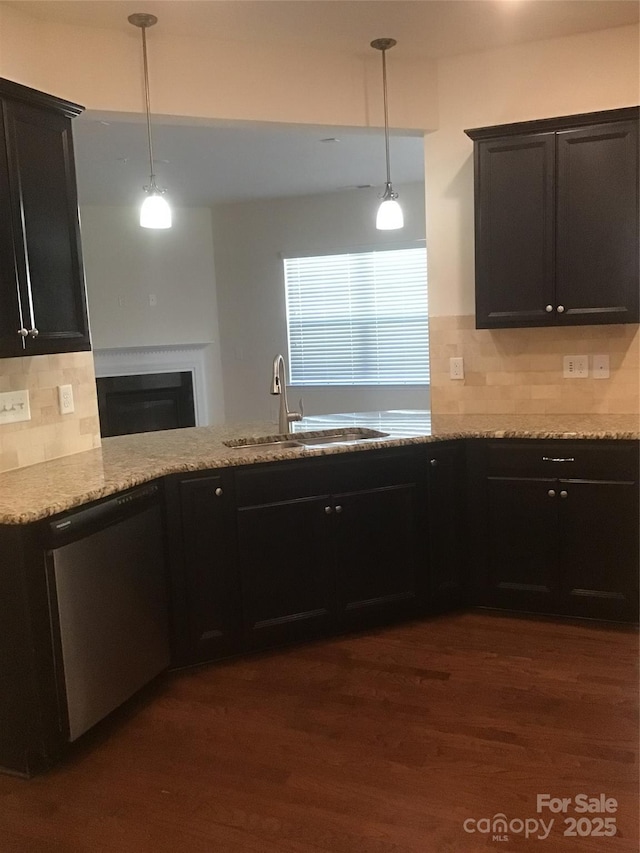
column 389, row 216
column 155, row 212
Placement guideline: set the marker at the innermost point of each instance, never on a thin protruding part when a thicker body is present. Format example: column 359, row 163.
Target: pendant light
column 155, row 211
column 389, row 213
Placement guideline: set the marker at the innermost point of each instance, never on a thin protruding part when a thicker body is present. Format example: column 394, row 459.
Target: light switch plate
column 14, row 407
column 65, row 399
column 576, row 367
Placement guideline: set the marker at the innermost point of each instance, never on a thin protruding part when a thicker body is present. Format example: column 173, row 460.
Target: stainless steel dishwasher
column 108, row 597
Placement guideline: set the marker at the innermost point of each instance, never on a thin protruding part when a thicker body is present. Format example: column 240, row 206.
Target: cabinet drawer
column 610, row 460
column 271, row 483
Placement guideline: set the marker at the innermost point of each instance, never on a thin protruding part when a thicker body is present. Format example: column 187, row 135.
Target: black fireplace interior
column 145, row 403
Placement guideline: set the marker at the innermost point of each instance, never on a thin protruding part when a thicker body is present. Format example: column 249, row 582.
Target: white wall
column 556, row 77
column 128, row 267
column 212, row 79
column 249, row 238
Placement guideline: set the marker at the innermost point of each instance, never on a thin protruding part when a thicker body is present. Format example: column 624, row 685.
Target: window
column 359, row 318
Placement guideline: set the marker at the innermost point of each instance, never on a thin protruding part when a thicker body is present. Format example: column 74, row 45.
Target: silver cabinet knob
column 560, row 309
column 552, row 493
column 338, row 508
column 549, row 309
column 33, row 333
column 328, row 510
column 433, row 463
column 23, row 333
column 564, row 494
column 218, row 492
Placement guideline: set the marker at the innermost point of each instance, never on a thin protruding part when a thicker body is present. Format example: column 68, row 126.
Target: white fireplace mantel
column 134, row 361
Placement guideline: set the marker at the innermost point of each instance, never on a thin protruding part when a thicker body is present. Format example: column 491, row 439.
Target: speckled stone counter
column 29, row 494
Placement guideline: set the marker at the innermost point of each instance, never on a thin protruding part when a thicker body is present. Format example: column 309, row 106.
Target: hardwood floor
column 385, row 742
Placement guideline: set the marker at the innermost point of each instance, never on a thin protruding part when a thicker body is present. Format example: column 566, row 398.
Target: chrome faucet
column 279, row 387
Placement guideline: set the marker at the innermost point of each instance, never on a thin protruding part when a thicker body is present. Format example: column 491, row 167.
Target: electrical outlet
column 600, row 365
column 14, row 407
column 65, row 399
column 456, row 368
column 153, row 300
column 576, row 367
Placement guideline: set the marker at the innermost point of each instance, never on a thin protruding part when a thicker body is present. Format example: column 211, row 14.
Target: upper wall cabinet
column 42, row 294
column 556, row 221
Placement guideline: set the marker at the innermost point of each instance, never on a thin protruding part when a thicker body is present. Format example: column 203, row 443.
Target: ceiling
column 423, row 28
column 202, row 165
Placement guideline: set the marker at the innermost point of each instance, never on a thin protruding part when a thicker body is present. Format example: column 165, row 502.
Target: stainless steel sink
column 354, row 435
column 316, row 438
column 279, row 442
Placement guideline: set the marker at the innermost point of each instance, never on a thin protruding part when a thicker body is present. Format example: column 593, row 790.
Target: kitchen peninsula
column 259, row 544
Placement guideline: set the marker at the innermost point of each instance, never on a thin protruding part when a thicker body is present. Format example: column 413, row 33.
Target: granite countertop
column 42, row 490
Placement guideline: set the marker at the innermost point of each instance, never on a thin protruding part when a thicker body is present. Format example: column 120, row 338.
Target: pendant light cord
column 386, row 114
column 148, row 103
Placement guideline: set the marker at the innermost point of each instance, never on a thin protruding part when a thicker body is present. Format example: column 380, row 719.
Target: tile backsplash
column 49, row 435
column 521, row 370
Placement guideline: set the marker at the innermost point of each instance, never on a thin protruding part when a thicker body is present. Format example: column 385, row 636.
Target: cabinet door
column 521, row 544
column 207, row 614
column 515, row 213
column 377, row 564
column 447, row 527
column 287, row 577
column 597, row 229
column 46, row 229
column 599, row 549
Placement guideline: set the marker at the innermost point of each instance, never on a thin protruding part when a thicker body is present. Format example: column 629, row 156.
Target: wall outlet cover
column 456, row 368
column 600, row 367
column 65, row 399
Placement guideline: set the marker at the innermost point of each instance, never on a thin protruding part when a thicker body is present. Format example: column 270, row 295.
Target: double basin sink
column 317, row 439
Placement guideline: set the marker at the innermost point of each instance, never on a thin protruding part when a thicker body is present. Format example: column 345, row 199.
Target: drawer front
column 275, row 482
column 602, row 460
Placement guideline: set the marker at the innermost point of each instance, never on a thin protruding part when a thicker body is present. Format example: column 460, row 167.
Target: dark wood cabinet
column 316, row 556
column 42, row 293
column 556, row 527
column 205, row 582
column 447, row 524
column 376, row 553
column 557, row 222
column 287, row 576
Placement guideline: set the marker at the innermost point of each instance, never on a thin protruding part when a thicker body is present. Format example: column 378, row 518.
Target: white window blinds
column 358, row 318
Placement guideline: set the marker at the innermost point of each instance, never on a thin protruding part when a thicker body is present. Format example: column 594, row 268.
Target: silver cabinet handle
column 23, row 333
column 549, row 309
column 433, row 463
column 27, row 270
column 328, row 510
column 552, row 493
column 564, row 494
column 218, row 492
column 338, row 508
column 33, row 333
column 558, row 459
column 560, row 309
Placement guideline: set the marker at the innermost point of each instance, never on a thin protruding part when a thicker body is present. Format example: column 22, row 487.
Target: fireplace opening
column 145, row 403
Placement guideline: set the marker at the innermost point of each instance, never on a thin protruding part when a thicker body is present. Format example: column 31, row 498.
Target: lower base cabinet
column 556, row 527
column 205, row 582
column 316, row 558
column 269, row 554
column 448, row 527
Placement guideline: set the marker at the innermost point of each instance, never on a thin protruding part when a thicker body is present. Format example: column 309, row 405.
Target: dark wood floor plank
column 382, row 742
